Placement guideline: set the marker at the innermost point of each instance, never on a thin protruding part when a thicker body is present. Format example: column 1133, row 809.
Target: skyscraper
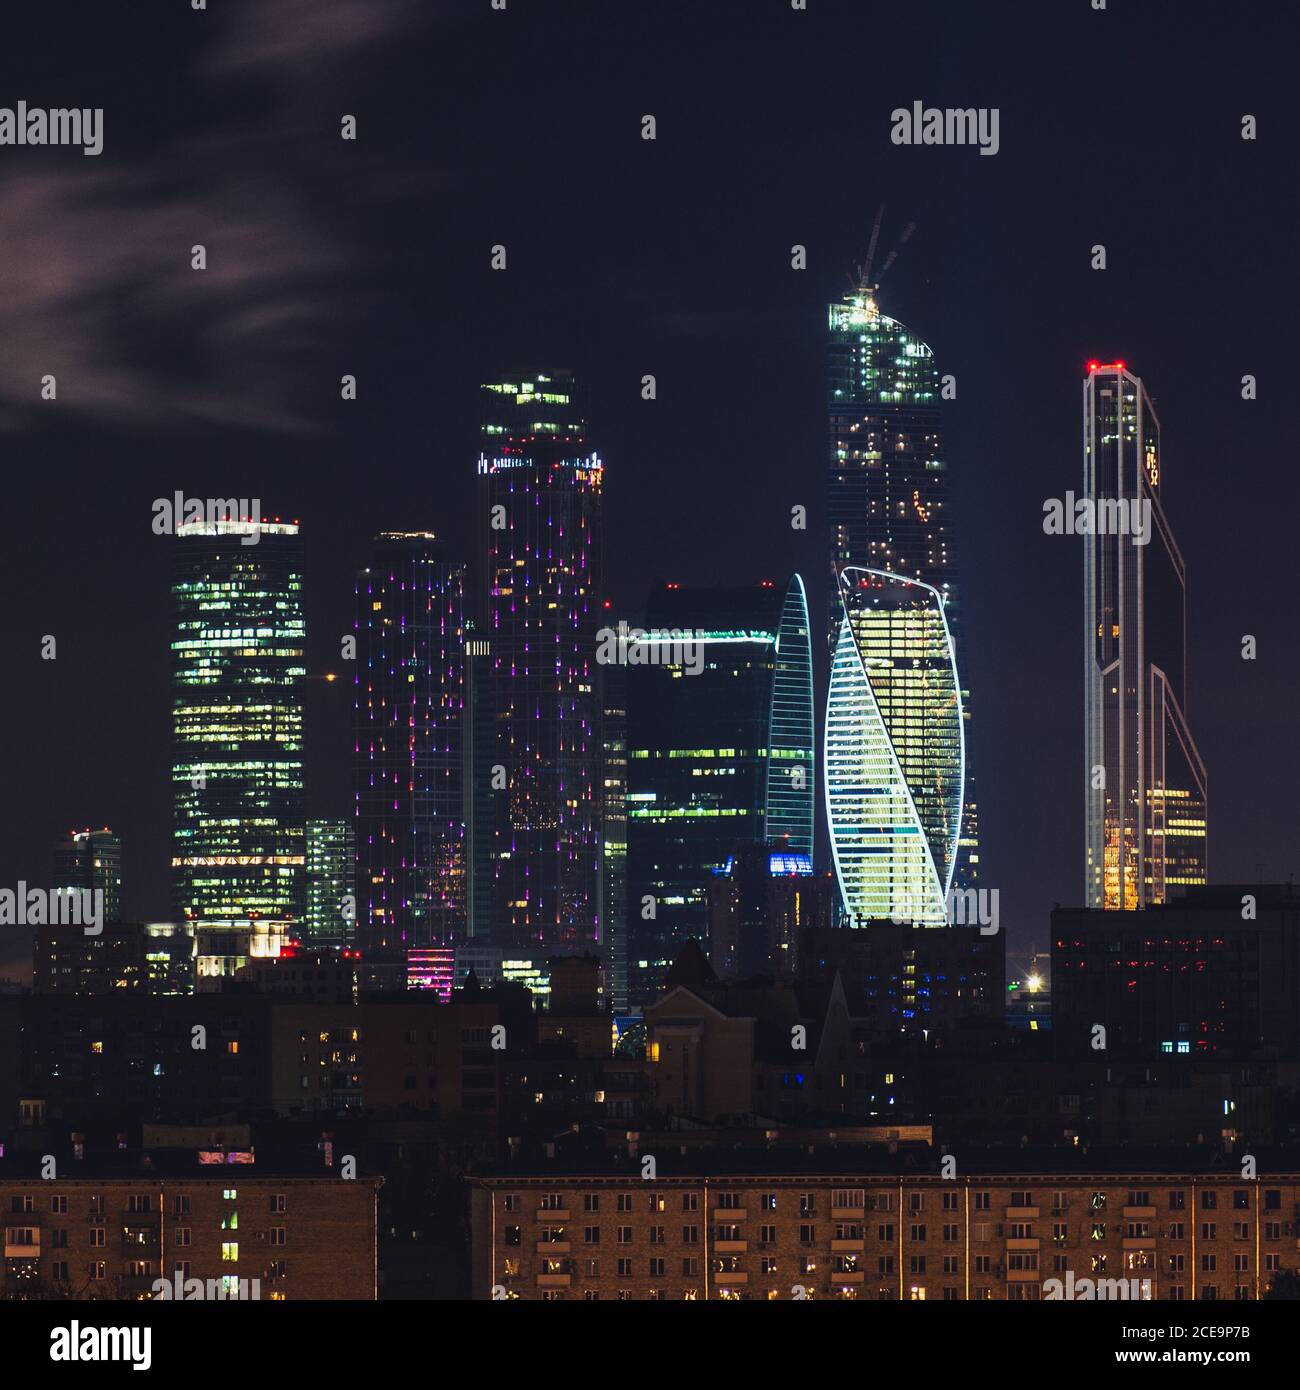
column 480, row 798
column 237, row 780
column 1145, row 799
column 889, row 480
column 613, row 879
column 893, row 751
column 540, row 500
column 331, row 874
column 408, row 772
column 720, row 754
column 92, row 860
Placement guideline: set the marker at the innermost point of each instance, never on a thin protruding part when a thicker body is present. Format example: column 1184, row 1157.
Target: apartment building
column 786, row 1235
column 265, row 1237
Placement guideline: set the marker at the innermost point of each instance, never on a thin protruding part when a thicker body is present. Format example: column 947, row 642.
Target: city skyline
column 651, row 659
column 1011, row 433
column 273, row 528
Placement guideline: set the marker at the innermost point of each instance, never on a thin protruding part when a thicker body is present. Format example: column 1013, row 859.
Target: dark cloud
column 96, row 285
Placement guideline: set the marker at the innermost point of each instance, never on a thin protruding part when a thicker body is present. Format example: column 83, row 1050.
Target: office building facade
column 411, row 863
column 720, row 754
column 237, row 716
column 91, row 861
column 894, row 751
column 540, row 499
column 331, row 880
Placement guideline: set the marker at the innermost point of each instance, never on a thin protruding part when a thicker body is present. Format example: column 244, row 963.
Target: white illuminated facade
column 894, row 750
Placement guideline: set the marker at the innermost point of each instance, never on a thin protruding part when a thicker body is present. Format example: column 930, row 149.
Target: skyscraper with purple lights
column 409, row 726
column 540, row 504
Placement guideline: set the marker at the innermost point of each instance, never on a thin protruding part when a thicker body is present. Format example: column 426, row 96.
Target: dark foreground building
column 1214, row 973
column 910, row 979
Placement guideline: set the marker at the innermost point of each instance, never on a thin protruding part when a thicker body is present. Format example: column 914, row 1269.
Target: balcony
column 848, row 1213
column 552, row 1247
column 730, row 1216
column 554, row 1281
column 731, row 1278
column 559, row 1214
column 730, row 1247
column 1026, row 1244
column 853, row 1276
column 1139, row 1213
column 846, row 1245
column 1022, row 1214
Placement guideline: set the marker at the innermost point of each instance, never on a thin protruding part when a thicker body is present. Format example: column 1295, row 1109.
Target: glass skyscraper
column 720, row 755
column 237, row 779
column 91, row 860
column 613, row 883
column 331, row 873
column 893, row 751
column 540, row 497
column 888, row 479
column 409, row 729
column 1145, row 786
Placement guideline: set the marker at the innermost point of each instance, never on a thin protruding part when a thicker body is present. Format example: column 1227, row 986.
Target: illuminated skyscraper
column 893, row 751
column 331, row 873
column 408, row 773
column 1145, row 786
column 720, row 754
column 238, row 668
column 540, row 500
column 613, row 880
column 92, row 860
column 480, row 798
column 888, row 478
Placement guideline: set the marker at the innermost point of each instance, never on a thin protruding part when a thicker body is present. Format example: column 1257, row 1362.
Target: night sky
column 628, row 257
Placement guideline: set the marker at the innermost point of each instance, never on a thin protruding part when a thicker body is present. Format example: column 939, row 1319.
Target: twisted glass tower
column 888, row 501
column 894, row 750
